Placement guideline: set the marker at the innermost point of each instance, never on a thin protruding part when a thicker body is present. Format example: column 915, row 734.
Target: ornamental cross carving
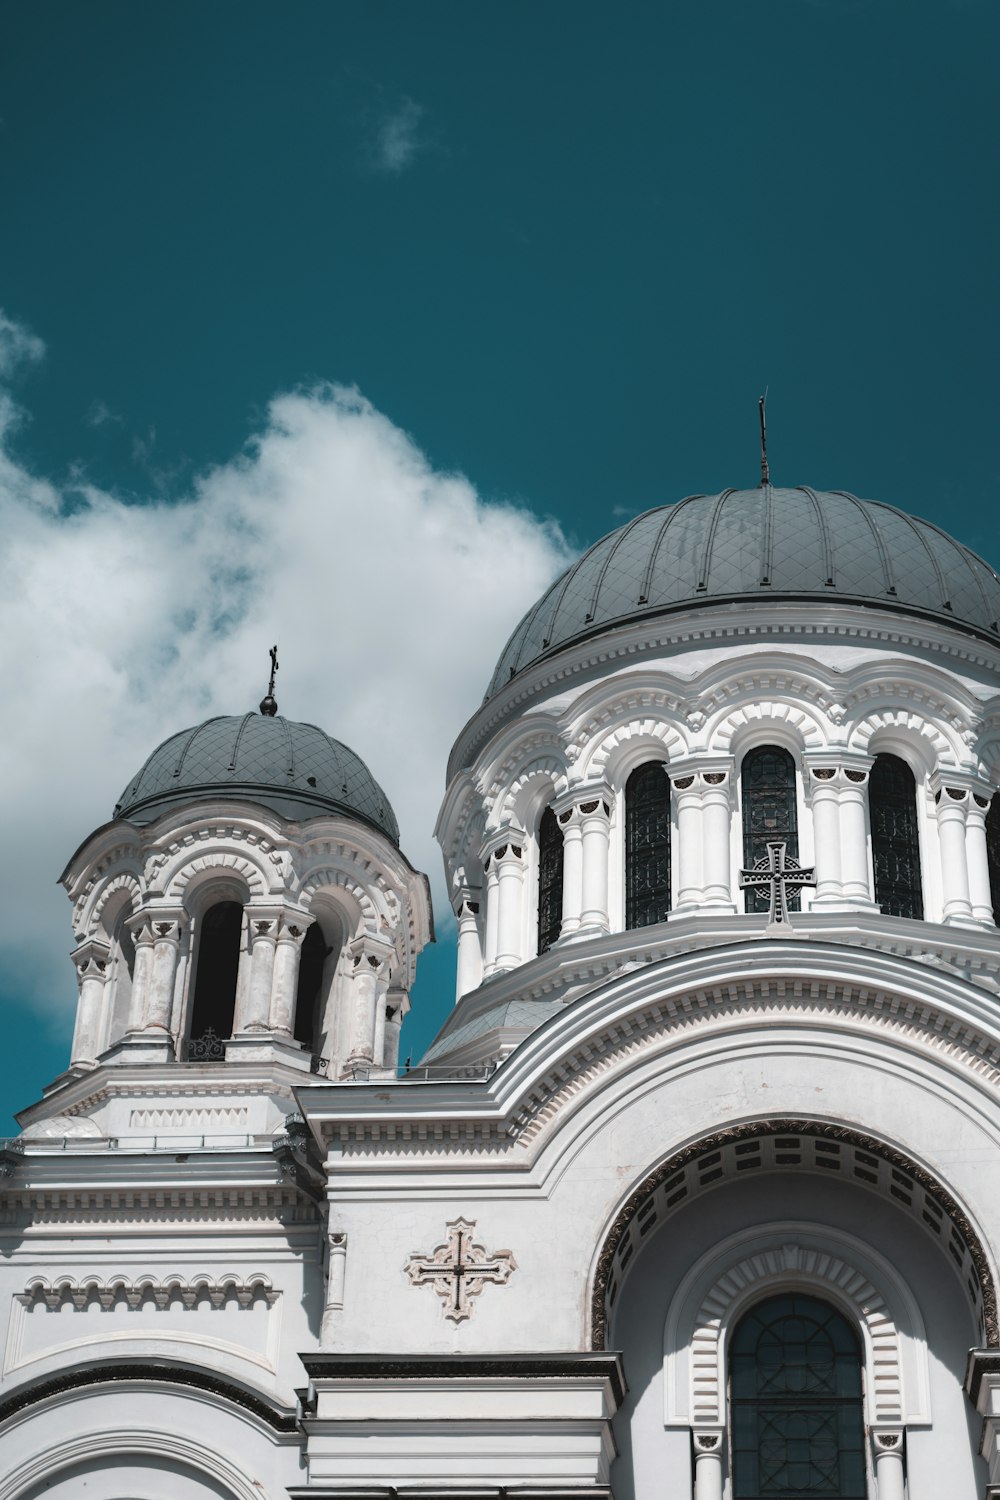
column 781, row 876
column 459, row 1269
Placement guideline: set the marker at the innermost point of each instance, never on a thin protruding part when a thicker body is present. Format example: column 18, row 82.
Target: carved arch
column 540, row 780
column 791, row 724
column 128, row 882
column 626, row 745
column 802, row 1257
column 327, row 878
column 904, row 727
column 222, row 863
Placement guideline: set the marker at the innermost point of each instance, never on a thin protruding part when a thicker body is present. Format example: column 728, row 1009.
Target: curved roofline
column 962, row 576
column 244, row 791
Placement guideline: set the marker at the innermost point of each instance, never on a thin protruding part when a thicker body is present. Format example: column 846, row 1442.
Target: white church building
column 697, row 1191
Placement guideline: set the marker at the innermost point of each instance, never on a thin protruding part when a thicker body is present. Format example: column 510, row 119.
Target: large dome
column 294, row 769
column 766, row 543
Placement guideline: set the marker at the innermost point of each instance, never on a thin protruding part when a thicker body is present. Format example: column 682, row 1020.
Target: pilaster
column 90, row 960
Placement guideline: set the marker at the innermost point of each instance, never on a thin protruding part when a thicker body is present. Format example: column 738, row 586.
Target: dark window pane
column 993, row 854
column 550, row 879
column 214, row 1003
column 647, row 845
column 769, row 814
column 892, row 800
column 311, row 961
column 797, row 1423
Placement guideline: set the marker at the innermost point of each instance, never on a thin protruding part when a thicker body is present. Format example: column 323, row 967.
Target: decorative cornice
column 148, row 1371
column 584, row 1366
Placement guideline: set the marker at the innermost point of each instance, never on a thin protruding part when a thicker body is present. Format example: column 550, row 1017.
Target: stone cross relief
column 459, row 1269
column 780, row 876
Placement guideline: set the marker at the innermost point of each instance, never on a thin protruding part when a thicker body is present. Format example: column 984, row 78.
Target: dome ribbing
column 296, row 770
column 766, row 543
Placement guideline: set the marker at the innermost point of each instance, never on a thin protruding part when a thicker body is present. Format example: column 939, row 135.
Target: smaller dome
column 296, row 770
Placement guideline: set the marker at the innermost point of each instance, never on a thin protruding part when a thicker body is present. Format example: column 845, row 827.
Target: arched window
column 797, row 1420
column 993, row 853
column 769, row 813
column 647, row 845
column 892, row 800
column 214, row 1003
column 311, row 961
column 122, row 975
column 550, row 879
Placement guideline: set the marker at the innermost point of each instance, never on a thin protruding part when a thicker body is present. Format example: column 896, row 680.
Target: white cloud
column 389, row 586
column 18, row 345
column 397, row 140
column 99, row 414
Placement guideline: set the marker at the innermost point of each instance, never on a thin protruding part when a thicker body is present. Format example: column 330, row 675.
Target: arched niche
column 321, row 1024
column 219, row 962
column 115, row 916
column 833, row 1152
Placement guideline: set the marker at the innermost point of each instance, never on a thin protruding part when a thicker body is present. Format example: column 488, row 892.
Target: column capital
column 705, row 770
column 503, row 843
column 91, row 959
column 466, row 901
column 371, row 954
column 949, row 785
column 585, row 799
column 887, row 1439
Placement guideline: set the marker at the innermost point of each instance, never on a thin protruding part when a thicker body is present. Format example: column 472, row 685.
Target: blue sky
column 559, row 249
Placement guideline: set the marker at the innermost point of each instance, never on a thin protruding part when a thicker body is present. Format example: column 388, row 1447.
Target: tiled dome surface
column 295, row 769
column 764, row 543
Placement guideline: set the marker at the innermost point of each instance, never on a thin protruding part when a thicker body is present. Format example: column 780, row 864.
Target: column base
column 266, row 1047
column 141, row 1047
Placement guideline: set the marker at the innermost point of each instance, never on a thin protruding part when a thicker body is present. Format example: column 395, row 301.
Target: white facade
column 520, row 1269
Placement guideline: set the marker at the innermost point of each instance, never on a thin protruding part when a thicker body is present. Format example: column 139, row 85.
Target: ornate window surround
column 791, row 1255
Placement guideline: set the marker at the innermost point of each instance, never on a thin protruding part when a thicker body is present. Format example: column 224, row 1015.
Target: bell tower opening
column 214, row 1005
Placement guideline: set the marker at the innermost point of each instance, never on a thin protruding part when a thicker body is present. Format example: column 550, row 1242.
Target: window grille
column 647, row 845
column 769, row 813
column 550, row 880
column 797, row 1420
column 993, row 854
column 892, row 800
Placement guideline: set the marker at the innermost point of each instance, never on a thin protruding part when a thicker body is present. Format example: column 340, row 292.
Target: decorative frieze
column 147, row 1291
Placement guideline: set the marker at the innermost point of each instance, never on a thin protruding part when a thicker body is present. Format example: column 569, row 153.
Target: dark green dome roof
column 766, row 543
column 296, row 770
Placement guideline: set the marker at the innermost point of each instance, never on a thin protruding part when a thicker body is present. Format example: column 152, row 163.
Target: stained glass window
column 647, row 845
column 550, row 879
column 797, row 1421
column 892, row 799
column 993, row 854
column 769, row 813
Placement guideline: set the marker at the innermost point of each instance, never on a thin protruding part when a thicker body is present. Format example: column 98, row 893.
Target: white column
column 856, row 883
column 707, row 1465
column 336, row 1276
column 371, row 963
column 951, row 805
column 888, row 1452
column 492, row 916
column 470, row 954
column 572, row 906
column 508, row 860
column 823, row 789
column 285, row 977
column 396, row 1006
column 716, row 825
column 595, row 826
column 91, row 963
column 980, row 894
column 690, row 841
column 253, row 1008
column 142, row 974
column 167, row 933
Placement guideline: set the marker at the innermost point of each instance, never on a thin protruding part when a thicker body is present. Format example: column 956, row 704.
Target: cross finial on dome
column 765, row 475
column 269, row 704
